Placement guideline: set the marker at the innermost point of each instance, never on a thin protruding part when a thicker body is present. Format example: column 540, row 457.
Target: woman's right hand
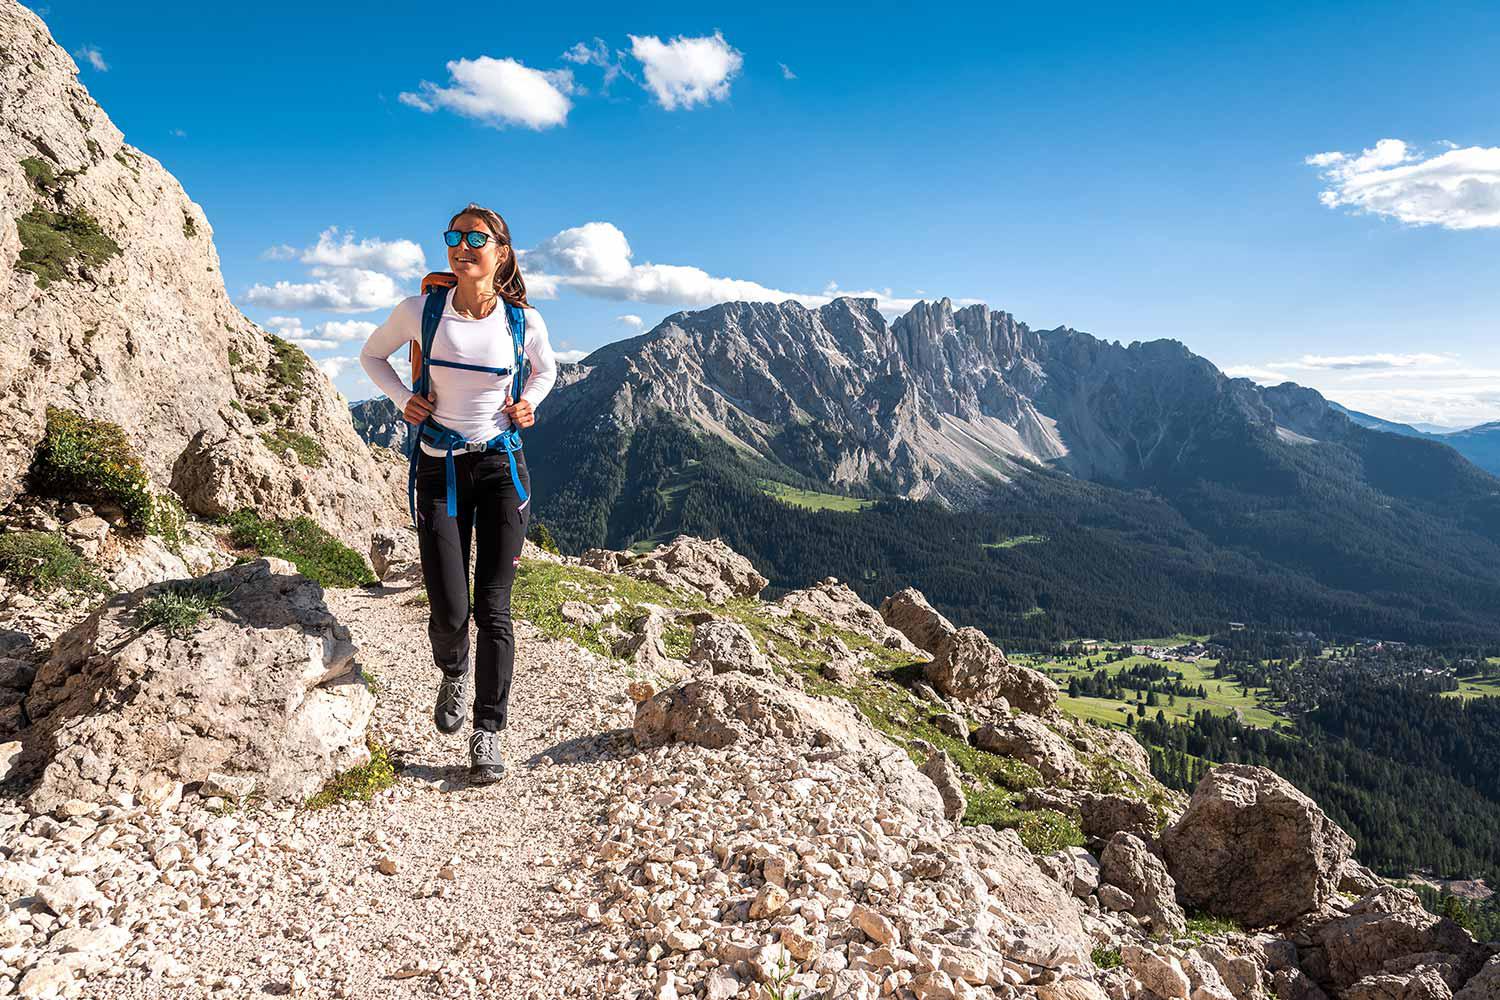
column 418, row 409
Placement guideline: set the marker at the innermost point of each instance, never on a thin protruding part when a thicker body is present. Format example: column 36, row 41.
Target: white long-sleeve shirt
column 469, row 402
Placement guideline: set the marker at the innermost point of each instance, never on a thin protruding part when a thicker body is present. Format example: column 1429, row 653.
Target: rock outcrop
column 725, row 709
column 834, row 602
column 1253, row 848
column 969, row 667
column 908, row 612
column 1129, row 864
column 724, row 646
column 1028, row 739
column 704, row 566
column 1389, row 933
column 264, row 686
column 133, row 324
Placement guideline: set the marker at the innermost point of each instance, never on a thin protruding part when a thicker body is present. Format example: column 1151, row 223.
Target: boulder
column 908, row 612
column 969, row 667
column 1241, row 972
column 1080, row 870
column 1160, row 973
column 1129, row 864
column 1484, row 985
column 703, row 566
column 836, row 604
column 726, row 709
column 1028, row 739
column 265, row 686
column 1253, row 848
column 945, row 776
column 1386, row 926
column 1424, row 983
column 724, row 646
column 644, row 646
column 1357, row 880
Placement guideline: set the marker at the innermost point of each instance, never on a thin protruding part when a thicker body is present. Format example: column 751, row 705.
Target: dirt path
column 470, row 909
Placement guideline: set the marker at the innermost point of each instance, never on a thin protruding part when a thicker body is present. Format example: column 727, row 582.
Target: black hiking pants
column 489, row 510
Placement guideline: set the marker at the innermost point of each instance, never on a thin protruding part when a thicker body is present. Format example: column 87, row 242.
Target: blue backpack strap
column 516, row 315
column 432, row 312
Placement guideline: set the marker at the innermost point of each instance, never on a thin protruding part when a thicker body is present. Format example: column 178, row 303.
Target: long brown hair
column 509, row 284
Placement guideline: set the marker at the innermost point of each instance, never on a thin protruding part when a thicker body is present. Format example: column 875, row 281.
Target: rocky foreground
column 699, row 806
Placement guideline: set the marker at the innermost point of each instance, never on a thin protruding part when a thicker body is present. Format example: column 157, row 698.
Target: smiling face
column 476, row 265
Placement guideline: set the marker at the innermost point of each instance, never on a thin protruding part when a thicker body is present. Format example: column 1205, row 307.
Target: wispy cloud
column 685, row 72
column 786, row 72
column 571, row 357
column 179, row 133
column 631, row 320
column 499, row 92
column 1455, row 188
column 1407, row 388
column 596, row 259
column 333, row 366
column 324, row 336
column 599, row 54
column 90, row 54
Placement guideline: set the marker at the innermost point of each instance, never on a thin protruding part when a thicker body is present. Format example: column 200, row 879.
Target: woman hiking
column 470, row 474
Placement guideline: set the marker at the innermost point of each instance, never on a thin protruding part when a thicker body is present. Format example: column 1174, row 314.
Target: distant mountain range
column 1042, row 484
column 1480, row 445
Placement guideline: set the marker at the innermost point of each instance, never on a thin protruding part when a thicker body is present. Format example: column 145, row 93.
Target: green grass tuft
column 302, row 541
column 41, row 561
column 179, row 608
column 1204, row 925
column 307, row 449
column 359, row 783
column 52, row 243
column 39, row 173
column 1106, row 958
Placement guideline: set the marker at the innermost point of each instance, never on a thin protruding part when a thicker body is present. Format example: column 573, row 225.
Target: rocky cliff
column 114, row 307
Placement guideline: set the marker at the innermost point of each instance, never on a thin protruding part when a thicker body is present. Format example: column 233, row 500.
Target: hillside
column 1170, row 497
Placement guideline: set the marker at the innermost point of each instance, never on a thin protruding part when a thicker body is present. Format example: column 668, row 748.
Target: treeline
column 1404, row 816
column 1156, row 683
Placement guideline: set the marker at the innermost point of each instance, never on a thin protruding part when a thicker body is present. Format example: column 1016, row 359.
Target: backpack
column 435, row 286
column 432, row 311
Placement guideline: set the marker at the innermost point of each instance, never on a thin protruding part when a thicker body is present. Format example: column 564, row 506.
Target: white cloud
column 333, row 366
column 499, row 92
column 687, row 71
column 398, row 258
column 1407, row 388
column 280, row 252
column 1363, row 361
column 570, row 357
column 1264, row 376
column 786, row 72
column 631, row 320
column 1455, row 189
column 324, row 336
column 91, row 55
column 179, row 133
column 599, row 54
column 596, row 259
column 340, row 290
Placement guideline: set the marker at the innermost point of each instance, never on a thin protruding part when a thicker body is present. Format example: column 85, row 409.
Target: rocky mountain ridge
column 938, row 402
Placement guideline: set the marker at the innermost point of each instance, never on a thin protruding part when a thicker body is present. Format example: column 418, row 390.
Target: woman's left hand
column 519, row 412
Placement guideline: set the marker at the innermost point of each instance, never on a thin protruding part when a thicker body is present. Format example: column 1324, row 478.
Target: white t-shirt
column 469, row 402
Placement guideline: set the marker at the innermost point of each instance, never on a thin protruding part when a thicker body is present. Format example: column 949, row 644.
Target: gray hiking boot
column 448, row 713
column 486, row 760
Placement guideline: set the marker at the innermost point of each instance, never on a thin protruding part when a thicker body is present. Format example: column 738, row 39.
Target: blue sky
column 1135, row 173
